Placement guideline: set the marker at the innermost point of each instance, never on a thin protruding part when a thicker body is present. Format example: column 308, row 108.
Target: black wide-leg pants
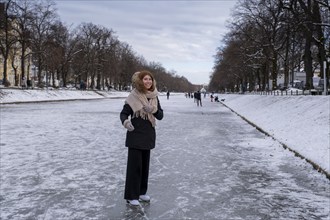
column 137, row 173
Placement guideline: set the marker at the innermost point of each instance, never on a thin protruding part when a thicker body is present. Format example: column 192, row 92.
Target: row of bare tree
column 269, row 38
column 32, row 32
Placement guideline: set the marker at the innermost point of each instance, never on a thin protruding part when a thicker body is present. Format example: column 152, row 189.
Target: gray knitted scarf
column 137, row 100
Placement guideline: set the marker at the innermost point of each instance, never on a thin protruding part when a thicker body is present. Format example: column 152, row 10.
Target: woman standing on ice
column 139, row 114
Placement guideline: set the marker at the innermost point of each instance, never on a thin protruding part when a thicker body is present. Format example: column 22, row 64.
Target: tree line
column 268, row 39
column 32, row 32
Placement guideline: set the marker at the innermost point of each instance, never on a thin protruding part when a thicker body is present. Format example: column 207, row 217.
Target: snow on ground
column 300, row 122
column 17, row 95
column 67, row 160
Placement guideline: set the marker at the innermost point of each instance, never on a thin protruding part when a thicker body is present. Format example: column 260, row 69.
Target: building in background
column 14, row 70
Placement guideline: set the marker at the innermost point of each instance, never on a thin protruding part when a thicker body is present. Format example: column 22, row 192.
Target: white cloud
column 169, row 32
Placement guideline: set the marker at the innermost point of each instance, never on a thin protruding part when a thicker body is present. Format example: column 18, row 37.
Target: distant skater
column 199, row 98
column 168, row 94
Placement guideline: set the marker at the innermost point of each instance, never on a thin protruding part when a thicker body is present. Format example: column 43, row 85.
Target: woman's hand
column 128, row 125
column 149, row 108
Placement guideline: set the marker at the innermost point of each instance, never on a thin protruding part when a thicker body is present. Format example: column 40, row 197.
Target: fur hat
column 137, row 81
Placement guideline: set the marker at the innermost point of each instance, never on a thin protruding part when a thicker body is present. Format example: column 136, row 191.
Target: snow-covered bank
column 17, row 95
column 300, row 122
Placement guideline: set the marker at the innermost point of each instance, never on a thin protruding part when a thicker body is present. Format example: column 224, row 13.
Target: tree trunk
column 64, row 74
column 308, row 60
column 5, row 72
column 286, row 59
column 321, row 39
column 98, row 81
column 23, row 60
column 274, row 71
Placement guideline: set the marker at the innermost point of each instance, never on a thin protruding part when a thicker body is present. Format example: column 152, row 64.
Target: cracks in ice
column 137, row 212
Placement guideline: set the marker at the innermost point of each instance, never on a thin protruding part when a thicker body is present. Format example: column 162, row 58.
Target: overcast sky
column 181, row 35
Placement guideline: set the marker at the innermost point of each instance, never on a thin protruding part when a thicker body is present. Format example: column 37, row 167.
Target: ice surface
column 67, row 160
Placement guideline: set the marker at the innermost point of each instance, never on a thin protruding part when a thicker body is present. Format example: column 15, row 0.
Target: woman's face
column 147, row 81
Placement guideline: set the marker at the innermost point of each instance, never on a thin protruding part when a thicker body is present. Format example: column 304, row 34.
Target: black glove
column 128, row 125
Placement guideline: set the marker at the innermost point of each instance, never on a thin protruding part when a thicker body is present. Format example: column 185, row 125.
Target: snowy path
column 67, row 160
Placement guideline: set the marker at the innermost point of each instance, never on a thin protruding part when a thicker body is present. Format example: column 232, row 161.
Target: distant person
column 138, row 116
column 199, row 98
column 29, row 83
column 216, row 99
column 212, row 97
column 195, row 97
column 82, row 85
column 168, row 94
column 24, row 83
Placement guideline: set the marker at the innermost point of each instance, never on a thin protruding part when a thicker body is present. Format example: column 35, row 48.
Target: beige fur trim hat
column 137, row 81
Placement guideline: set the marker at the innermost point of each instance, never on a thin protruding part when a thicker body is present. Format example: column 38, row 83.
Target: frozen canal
column 67, row 160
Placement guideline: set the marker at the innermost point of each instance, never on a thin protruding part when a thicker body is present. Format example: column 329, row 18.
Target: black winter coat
column 144, row 135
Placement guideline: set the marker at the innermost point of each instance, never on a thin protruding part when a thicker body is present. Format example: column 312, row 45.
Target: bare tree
column 22, row 31
column 90, row 53
column 43, row 17
column 313, row 22
column 7, row 37
column 271, row 38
